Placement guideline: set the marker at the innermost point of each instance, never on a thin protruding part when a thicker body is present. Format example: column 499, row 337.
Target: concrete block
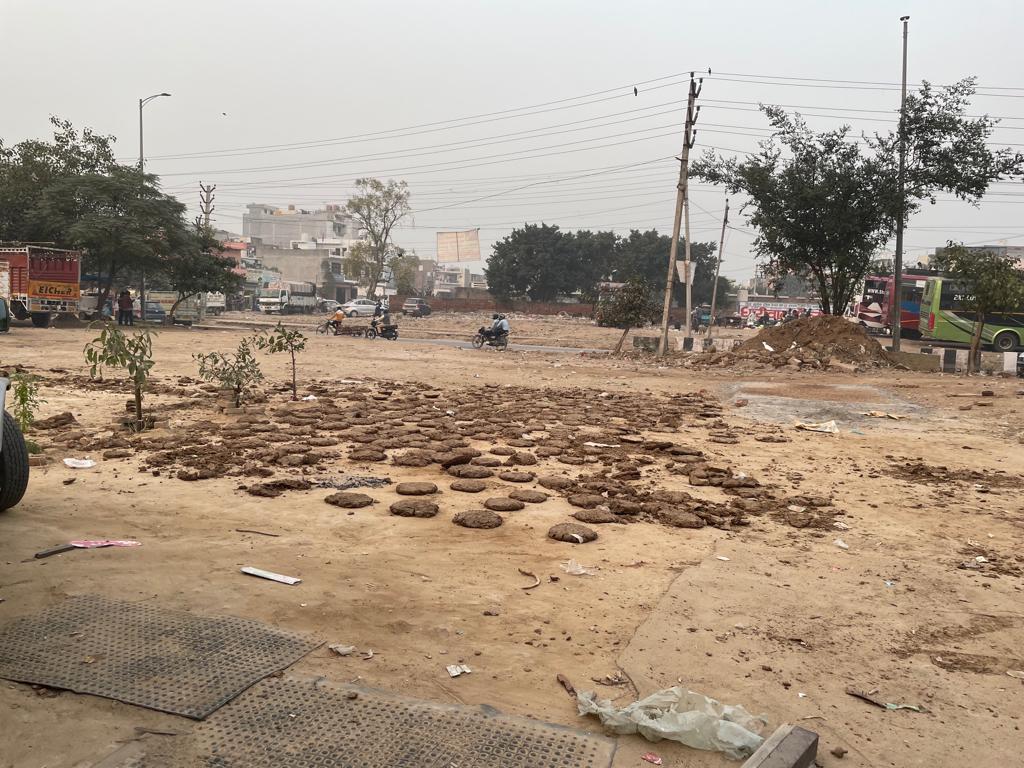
column 915, row 361
column 789, row 747
column 38, row 461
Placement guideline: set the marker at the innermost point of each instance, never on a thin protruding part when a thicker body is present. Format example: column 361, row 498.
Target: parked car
column 329, row 306
column 416, row 308
column 155, row 312
column 359, row 308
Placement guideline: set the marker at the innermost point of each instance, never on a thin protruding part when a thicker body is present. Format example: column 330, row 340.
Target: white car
column 360, row 308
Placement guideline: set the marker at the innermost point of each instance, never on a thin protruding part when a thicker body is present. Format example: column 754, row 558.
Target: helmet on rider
column 495, row 316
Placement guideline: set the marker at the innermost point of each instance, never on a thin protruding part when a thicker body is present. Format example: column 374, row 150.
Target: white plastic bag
column 684, row 716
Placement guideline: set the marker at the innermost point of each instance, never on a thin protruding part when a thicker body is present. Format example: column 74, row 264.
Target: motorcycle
column 389, row 332
column 483, row 336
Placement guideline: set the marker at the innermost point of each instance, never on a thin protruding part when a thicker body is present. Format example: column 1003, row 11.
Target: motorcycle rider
column 503, row 327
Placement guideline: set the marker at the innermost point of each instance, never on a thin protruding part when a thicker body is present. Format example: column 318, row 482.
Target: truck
column 40, row 282
column 215, row 303
column 287, row 298
column 191, row 309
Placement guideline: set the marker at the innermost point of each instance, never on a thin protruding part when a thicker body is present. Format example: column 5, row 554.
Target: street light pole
column 142, row 168
column 901, row 182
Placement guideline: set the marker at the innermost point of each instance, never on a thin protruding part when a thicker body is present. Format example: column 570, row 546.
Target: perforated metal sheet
column 289, row 723
column 142, row 654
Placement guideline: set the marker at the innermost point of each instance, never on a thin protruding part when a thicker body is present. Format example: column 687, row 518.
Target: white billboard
column 458, row 246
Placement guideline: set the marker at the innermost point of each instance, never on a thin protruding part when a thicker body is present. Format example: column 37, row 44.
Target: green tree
column 376, row 207
column 114, row 349
column 821, row 209
column 631, row 306
column 992, row 282
column 594, row 257
column 947, row 150
column 535, row 261
column 403, row 267
column 645, row 255
column 119, row 218
column 282, row 339
column 199, row 266
column 28, row 168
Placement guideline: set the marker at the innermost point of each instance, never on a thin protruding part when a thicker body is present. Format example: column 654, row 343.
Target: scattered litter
column 652, row 758
column 98, row 543
column 602, row 445
column 577, row 538
column 454, row 670
column 879, row 703
column 343, row 650
column 536, row 581
column 54, row 550
column 722, row 558
column 573, row 568
column 801, row 695
column 564, row 682
column 841, row 544
column 684, row 716
column 840, row 525
column 767, row 346
column 856, row 432
column 796, row 508
column 270, row 575
column 824, row 426
column 367, row 655
column 261, row 533
column 889, row 583
column 1016, row 673
column 309, row 398
column 616, row 679
column 352, row 481
column 69, row 480
column 79, row 463
column 884, row 415
column 981, row 559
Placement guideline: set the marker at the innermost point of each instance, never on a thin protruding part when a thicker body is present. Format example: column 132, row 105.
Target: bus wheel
column 1006, row 341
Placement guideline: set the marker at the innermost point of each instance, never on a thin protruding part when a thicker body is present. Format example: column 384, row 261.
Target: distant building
column 454, row 282
column 323, row 267
column 286, row 227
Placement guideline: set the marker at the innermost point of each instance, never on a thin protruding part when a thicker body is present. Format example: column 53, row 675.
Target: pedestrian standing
column 124, row 308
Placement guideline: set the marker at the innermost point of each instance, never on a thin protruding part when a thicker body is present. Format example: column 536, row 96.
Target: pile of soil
column 809, row 342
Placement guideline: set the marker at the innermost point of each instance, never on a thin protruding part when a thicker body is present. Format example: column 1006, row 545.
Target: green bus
column 943, row 318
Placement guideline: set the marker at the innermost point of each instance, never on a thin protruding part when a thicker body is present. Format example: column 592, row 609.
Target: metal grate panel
column 142, row 654
column 290, row 723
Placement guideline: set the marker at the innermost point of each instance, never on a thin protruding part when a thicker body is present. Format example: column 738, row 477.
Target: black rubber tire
column 395, row 337
column 323, row 329
column 478, row 341
column 1006, row 341
column 371, row 333
column 503, row 344
column 41, row 319
column 13, row 464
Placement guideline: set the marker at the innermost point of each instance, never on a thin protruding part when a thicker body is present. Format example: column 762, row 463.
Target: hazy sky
column 385, row 89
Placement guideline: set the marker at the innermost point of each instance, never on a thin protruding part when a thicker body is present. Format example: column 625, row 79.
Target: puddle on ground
column 789, row 402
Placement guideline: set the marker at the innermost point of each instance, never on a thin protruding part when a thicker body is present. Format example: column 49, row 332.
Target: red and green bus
column 943, row 318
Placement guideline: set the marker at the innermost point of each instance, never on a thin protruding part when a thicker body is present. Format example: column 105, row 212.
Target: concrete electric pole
column 206, row 201
column 718, row 267
column 682, row 206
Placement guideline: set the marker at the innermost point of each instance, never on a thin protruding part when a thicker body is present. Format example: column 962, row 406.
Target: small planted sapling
column 114, row 349
column 281, row 339
column 239, row 371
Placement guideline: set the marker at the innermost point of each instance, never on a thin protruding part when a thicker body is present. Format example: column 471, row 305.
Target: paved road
column 460, row 344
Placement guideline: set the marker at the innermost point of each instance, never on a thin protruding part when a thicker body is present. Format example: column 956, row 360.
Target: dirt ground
column 758, row 606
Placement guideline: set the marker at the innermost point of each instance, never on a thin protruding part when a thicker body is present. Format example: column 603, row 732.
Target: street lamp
column 142, row 103
column 142, row 165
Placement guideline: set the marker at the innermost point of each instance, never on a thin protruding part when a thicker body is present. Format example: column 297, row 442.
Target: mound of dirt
column 809, row 342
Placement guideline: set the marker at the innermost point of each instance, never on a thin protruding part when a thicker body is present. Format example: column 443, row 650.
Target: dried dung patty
column 486, row 461
column 521, row 459
column 367, row 454
column 555, row 482
column 347, row 500
column 586, row 500
column 478, row 518
column 470, row 472
column 517, row 477
column 414, row 508
column 572, row 533
column 468, row 486
column 595, row 516
column 415, row 489
column 529, row 496
column 503, row 504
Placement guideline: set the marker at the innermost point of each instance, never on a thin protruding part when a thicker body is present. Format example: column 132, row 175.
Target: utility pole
column 718, row 266
column 901, row 181
column 142, row 179
column 206, row 201
column 682, row 205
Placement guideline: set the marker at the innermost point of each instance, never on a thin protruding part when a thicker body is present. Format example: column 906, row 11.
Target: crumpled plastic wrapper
column 681, row 715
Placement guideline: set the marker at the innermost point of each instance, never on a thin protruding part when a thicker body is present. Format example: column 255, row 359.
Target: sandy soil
column 783, row 626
